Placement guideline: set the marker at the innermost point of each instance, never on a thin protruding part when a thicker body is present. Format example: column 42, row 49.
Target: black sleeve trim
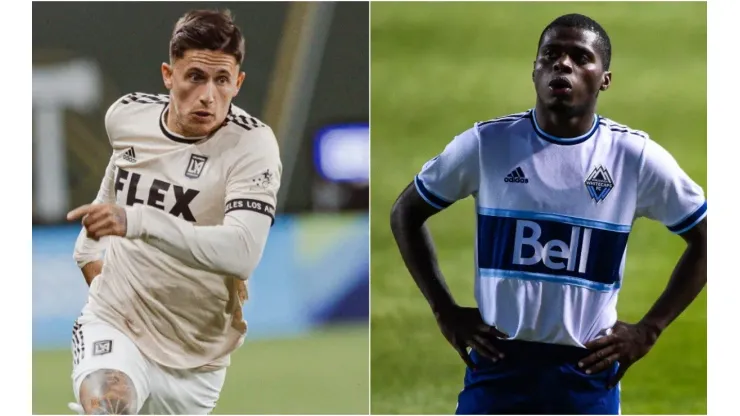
column 253, row 205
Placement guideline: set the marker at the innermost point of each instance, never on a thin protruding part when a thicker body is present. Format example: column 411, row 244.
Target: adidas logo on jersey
column 129, row 155
column 516, row 176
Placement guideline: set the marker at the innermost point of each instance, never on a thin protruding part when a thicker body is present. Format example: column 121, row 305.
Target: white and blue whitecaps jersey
column 554, row 216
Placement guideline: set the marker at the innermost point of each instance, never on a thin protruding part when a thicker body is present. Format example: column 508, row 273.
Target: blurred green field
column 324, row 373
column 439, row 67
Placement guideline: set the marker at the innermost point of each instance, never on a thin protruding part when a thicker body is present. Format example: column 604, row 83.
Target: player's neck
column 563, row 125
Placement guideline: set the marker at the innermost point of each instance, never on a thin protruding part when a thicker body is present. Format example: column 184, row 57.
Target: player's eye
column 194, row 76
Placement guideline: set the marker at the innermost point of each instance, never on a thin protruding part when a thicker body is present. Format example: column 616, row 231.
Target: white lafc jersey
column 554, row 216
column 176, row 283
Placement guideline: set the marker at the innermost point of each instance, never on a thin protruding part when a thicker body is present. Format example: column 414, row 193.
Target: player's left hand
column 626, row 344
column 101, row 220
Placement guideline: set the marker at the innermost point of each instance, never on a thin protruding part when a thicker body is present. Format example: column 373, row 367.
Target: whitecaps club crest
column 599, row 183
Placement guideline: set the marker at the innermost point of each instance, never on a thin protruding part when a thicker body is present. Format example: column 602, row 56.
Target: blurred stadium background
column 307, row 77
column 439, row 67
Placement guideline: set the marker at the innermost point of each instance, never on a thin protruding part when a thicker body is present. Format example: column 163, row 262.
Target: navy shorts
column 536, row 378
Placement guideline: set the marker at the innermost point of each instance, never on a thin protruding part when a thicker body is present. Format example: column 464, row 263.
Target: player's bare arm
column 630, row 342
column 463, row 327
column 108, row 392
column 91, row 270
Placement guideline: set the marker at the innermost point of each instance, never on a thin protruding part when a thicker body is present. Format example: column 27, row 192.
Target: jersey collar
column 563, row 140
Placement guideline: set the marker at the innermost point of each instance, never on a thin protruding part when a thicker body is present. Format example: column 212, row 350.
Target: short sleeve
column 453, row 174
column 666, row 193
column 254, row 181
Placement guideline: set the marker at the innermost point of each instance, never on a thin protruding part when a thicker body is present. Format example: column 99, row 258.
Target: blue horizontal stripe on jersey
column 549, row 246
column 429, row 196
column 544, row 277
column 690, row 221
column 565, row 219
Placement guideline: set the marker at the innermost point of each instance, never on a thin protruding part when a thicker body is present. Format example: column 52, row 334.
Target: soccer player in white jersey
column 183, row 214
column 557, row 189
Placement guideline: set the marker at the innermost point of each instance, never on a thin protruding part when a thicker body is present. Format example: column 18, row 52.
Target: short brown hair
column 207, row 29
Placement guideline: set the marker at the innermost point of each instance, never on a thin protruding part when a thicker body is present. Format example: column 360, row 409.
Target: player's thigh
column 580, row 393
column 109, row 372
column 184, row 391
column 494, row 398
column 504, row 387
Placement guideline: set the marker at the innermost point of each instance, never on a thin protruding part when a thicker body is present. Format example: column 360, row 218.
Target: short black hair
column 579, row 21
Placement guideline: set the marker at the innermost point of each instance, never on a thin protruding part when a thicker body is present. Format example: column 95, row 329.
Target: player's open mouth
column 560, row 85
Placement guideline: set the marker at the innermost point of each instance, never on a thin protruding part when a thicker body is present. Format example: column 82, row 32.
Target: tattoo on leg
column 108, row 392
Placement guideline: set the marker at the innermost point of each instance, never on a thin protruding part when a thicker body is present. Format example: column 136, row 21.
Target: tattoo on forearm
column 108, row 392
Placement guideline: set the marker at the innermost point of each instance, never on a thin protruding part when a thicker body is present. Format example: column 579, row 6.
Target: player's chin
column 560, row 105
column 197, row 130
column 202, row 124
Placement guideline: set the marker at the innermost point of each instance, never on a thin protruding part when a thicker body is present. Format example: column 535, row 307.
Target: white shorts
column 97, row 345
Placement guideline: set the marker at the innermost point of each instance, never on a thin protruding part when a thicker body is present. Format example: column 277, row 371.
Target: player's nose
column 207, row 97
column 563, row 65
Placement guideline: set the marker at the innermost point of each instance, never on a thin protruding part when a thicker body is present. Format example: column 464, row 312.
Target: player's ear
column 239, row 82
column 167, row 75
column 606, row 81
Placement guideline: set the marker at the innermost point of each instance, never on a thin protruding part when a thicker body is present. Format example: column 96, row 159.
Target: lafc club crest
column 195, row 166
column 599, row 183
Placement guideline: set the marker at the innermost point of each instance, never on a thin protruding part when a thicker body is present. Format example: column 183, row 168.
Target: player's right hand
column 101, row 220
column 463, row 327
